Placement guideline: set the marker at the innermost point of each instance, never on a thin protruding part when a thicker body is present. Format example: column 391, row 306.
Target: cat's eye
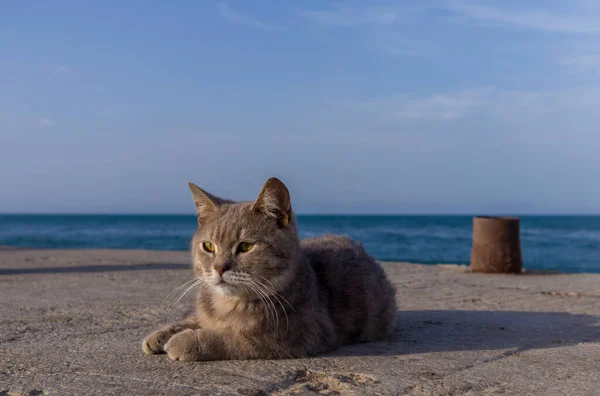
column 208, row 247
column 244, row 247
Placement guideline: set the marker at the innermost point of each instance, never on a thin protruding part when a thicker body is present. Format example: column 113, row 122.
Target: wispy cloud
column 588, row 61
column 448, row 106
column 348, row 17
column 45, row 123
column 61, row 69
column 232, row 16
column 398, row 44
column 579, row 19
column 379, row 23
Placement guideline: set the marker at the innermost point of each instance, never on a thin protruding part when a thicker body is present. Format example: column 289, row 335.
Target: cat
column 265, row 294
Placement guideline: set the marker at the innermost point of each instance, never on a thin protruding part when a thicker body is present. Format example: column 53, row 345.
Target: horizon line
column 305, row 214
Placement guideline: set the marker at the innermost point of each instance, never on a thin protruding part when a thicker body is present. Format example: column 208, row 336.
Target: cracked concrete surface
column 71, row 323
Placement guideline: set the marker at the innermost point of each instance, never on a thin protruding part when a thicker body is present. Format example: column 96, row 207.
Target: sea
column 560, row 243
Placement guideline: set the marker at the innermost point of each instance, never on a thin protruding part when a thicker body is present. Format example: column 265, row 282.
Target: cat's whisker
column 268, row 298
column 281, row 288
column 277, row 297
column 275, row 292
column 271, row 293
column 166, row 299
column 271, row 305
column 250, row 290
column 273, row 316
column 197, row 283
column 265, row 298
column 181, row 295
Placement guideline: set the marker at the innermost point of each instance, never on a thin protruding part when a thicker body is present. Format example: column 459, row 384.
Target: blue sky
column 450, row 106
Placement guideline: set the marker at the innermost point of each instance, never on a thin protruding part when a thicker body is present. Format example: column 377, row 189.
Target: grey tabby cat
column 264, row 294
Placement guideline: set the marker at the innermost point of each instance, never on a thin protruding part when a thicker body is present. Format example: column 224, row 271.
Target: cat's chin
column 226, row 289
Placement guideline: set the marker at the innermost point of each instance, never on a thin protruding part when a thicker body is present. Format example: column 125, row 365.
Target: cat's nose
column 220, row 268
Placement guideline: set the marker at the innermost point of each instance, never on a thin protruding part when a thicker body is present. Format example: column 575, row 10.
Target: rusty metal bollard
column 496, row 245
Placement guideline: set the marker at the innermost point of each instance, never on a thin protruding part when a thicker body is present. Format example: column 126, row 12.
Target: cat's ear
column 274, row 201
column 206, row 204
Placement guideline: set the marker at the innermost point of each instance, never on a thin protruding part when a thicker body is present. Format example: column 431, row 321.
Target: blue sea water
column 563, row 243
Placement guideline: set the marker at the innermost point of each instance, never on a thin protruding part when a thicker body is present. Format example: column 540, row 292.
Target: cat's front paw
column 155, row 342
column 184, row 346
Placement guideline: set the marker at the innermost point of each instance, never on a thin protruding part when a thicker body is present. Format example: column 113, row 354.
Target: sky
column 449, row 106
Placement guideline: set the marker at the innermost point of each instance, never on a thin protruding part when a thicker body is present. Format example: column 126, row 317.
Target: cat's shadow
column 455, row 330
